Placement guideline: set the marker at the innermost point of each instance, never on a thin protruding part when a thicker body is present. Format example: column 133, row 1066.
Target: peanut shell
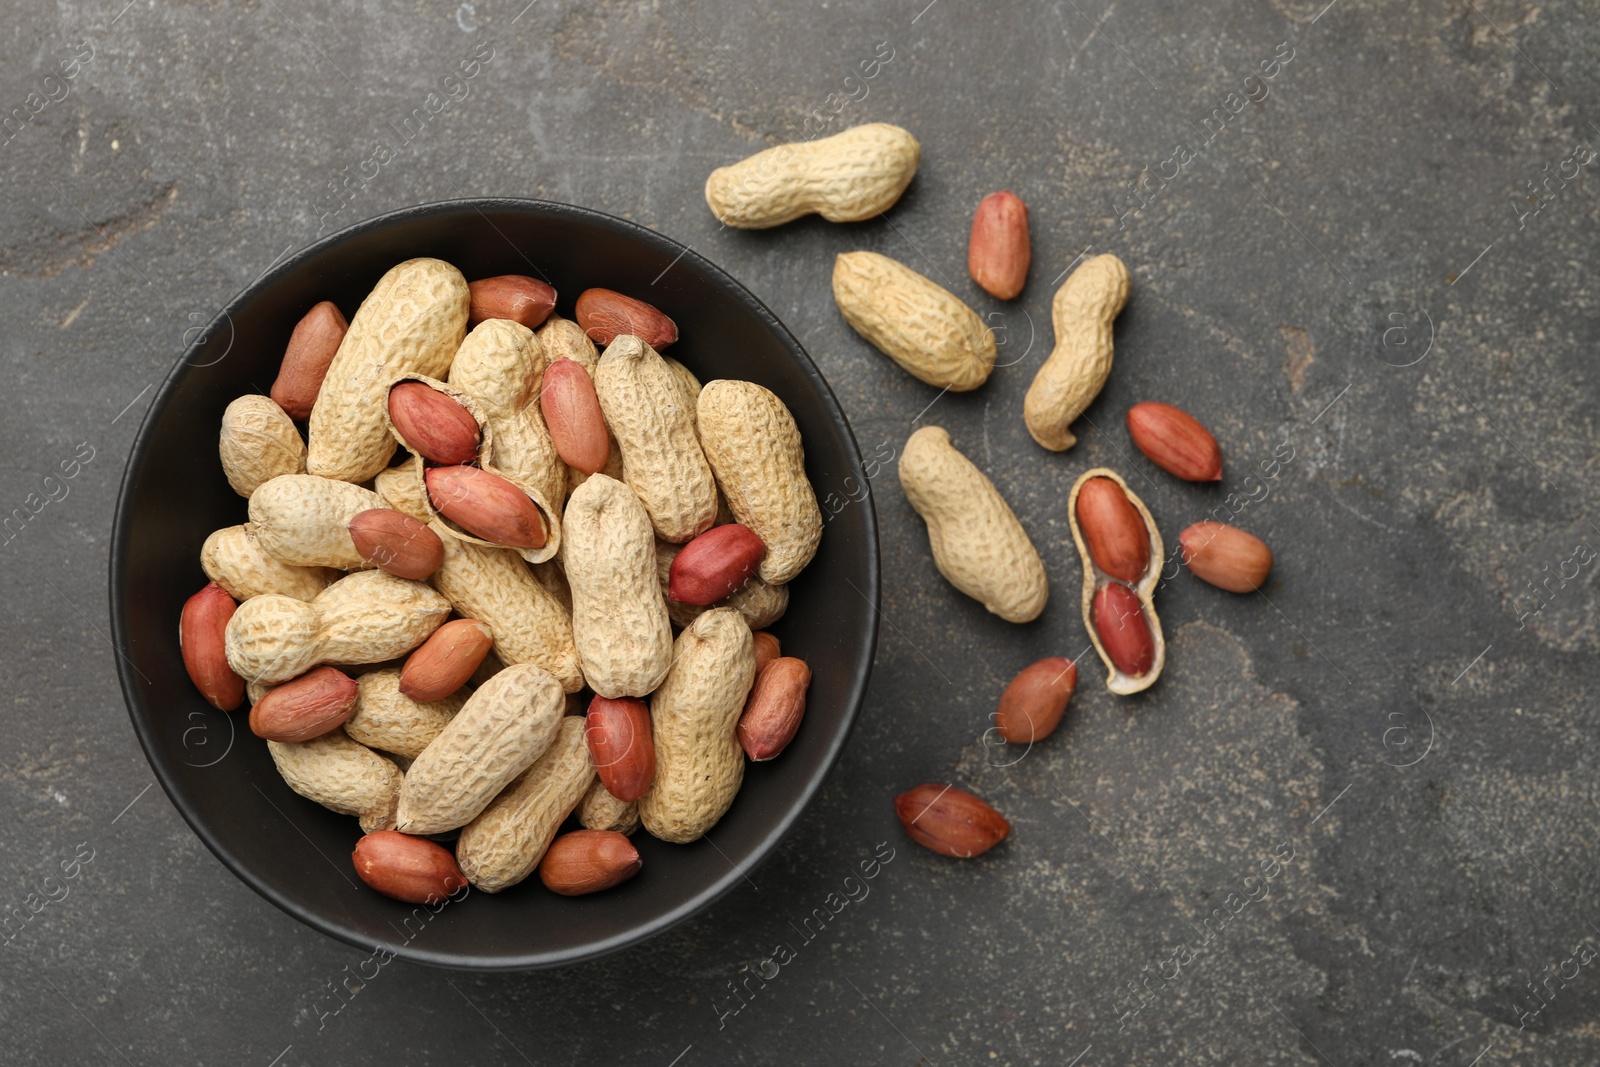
column 366, row 617
column 1072, row 375
column 505, row 843
column 497, row 734
column 258, row 443
column 699, row 764
column 303, row 520
column 661, row 456
column 754, row 448
column 1119, row 683
column 918, row 324
column 372, row 616
column 342, row 776
column 412, row 321
column 387, row 719
column 619, row 616
column 977, row 542
column 688, row 386
column 234, row 559
column 502, row 363
column 848, row 177
column 599, row 810
column 401, row 487
column 565, row 339
column 496, row 587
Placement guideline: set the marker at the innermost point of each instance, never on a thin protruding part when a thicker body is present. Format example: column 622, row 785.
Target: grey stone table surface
column 1370, row 273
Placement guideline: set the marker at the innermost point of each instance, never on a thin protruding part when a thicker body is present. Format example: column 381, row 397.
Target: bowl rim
column 142, row 718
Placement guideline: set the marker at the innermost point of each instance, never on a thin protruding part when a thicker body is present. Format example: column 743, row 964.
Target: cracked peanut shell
column 502, row 363
column 1094, row 578
column 401, row 487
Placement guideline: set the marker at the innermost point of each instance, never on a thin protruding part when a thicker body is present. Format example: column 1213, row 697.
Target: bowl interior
column 296, row 853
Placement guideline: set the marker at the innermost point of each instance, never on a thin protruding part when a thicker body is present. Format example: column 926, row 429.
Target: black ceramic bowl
column 296, row 853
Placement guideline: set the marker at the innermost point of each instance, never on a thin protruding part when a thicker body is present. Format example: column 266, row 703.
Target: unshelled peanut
column 754, row 448
column 847, row 177
column 505, row 843
column 258, row 443
column 386, row 719
column 412, row 321
column 920, row 325
column 564, row 339
column 495, row 586
column 600, row 810
column 699, row 764
column 341, row 775
column 619, row 618
column 401, row 487
column 366, row 617
column 234, row 559
column 1072, row 375
column 304, row 520
column 497, row 734
column 661, row 455
column 977, row 542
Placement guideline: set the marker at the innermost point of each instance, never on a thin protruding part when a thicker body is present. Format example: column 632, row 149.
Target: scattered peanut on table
column 573, row 508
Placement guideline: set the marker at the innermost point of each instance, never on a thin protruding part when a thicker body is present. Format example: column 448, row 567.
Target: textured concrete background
column 1349, row 275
